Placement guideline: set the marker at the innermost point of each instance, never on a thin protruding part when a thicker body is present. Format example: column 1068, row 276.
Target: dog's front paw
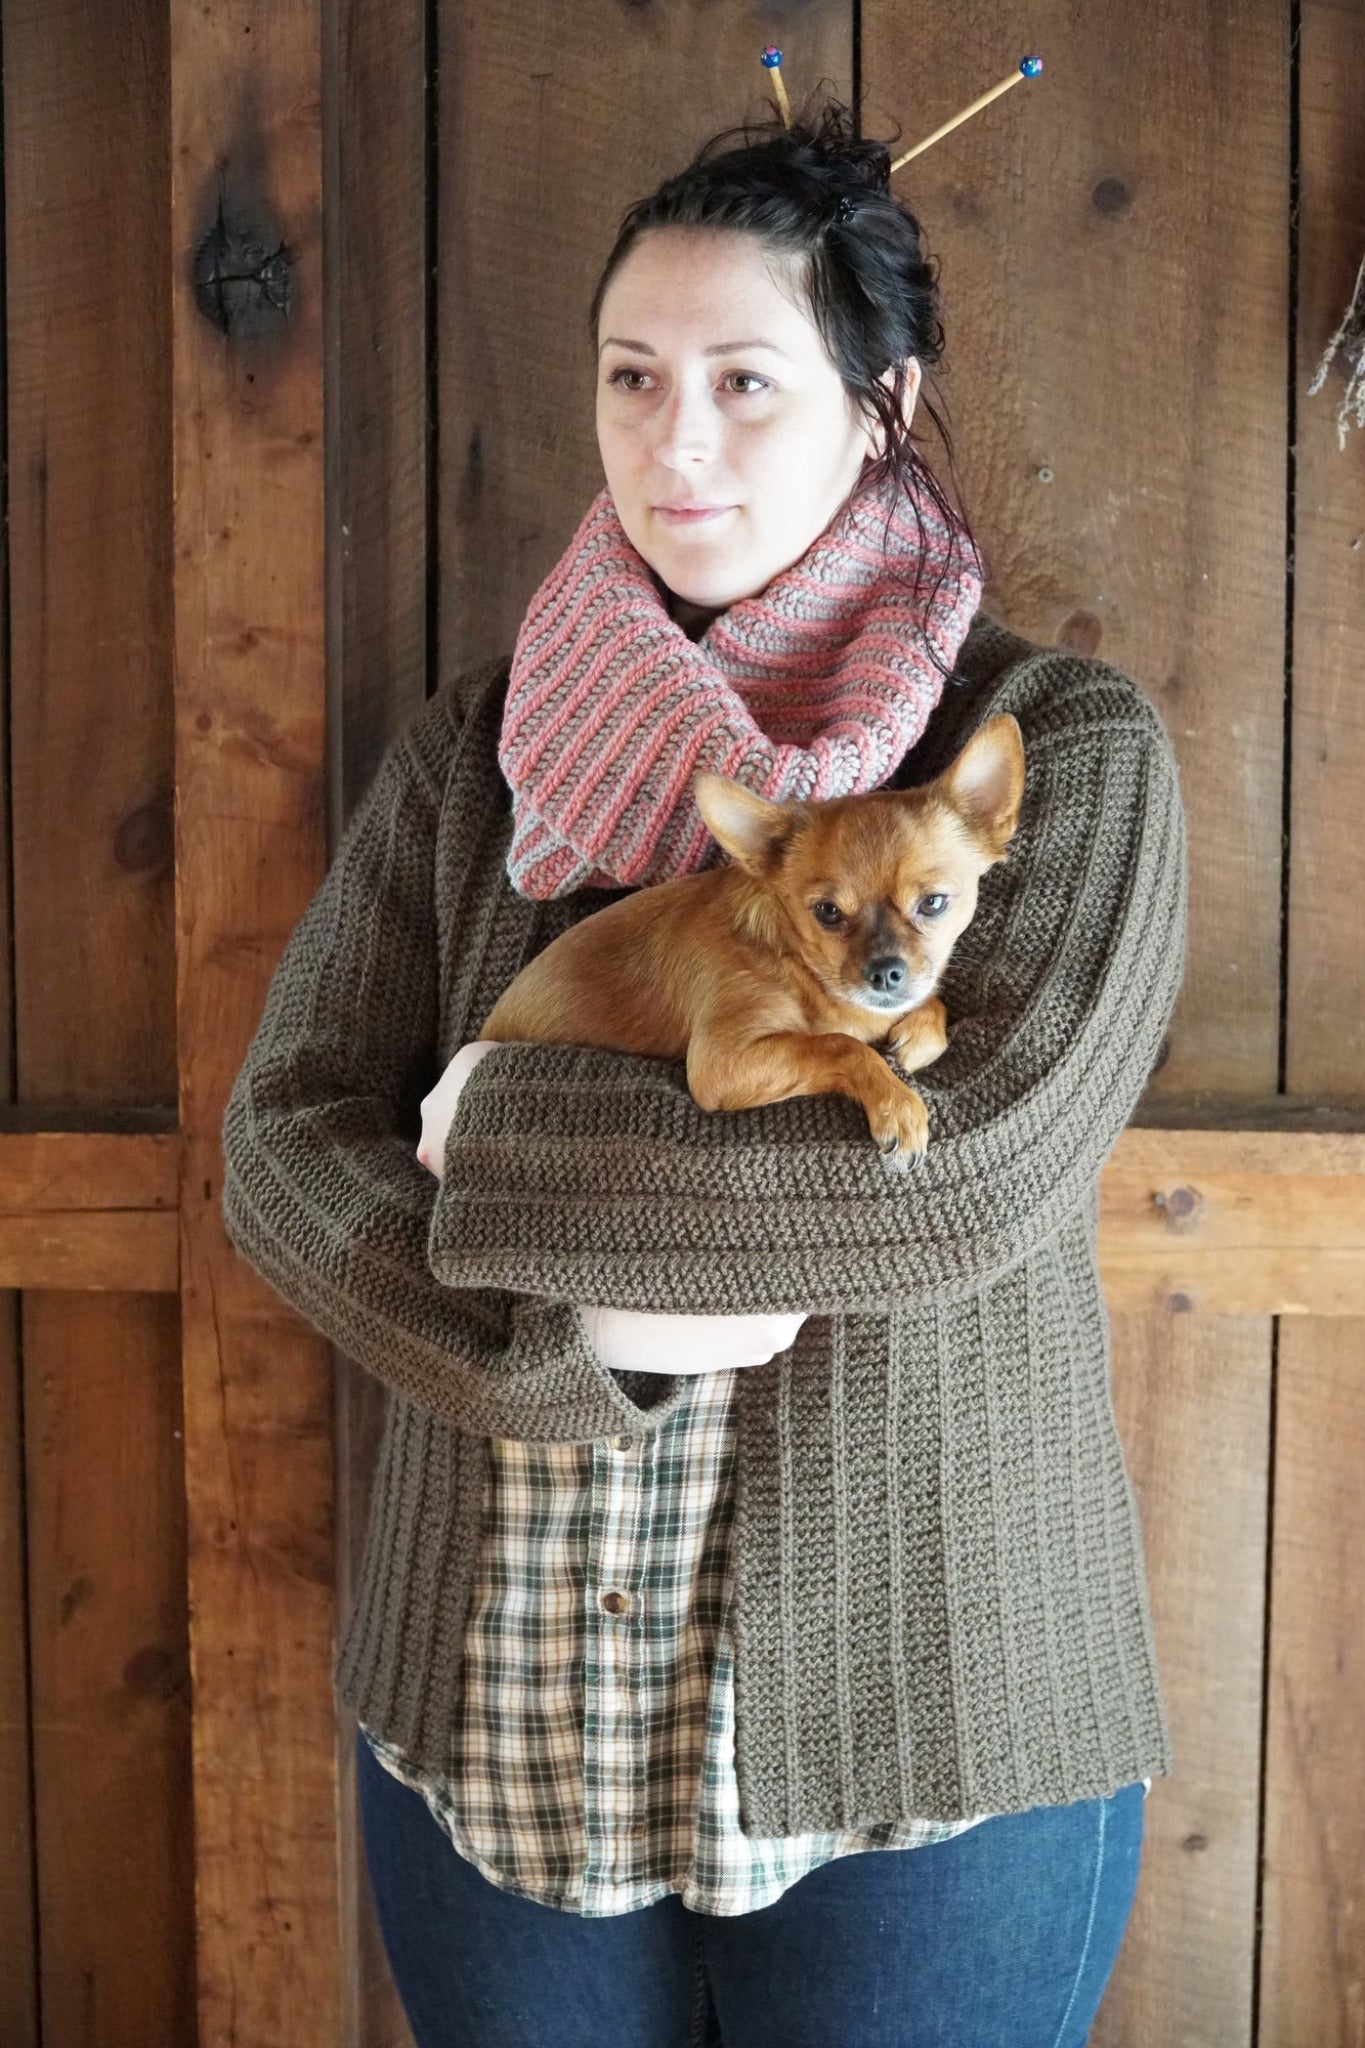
column 918, row 1038
column 899, row 1122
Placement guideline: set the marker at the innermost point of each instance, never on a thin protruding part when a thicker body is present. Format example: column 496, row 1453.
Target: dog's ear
column 986, row 781
column 749, row 827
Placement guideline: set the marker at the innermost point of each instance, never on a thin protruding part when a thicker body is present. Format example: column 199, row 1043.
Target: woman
column 649, row 1667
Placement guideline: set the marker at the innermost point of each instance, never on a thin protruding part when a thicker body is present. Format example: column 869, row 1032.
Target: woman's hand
column 628, row 1340
column 438, row 1108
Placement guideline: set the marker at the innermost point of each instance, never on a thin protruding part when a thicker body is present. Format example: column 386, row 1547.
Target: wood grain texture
column 380, row 660
column 59, row 1171
column 123, row 1252
column 18, row 1927
column 1313, row 1948
column 1192, row 1401
column 1325, row 1017
column 18, row 1931
column 89, row 1209
column 1235, row 1222
column 110, row 1669
column 1249, row 1281
column 1312, row 1985
column 250, row 776
column 88, row 471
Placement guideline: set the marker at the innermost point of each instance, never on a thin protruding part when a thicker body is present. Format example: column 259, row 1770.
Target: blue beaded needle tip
column 1030, row 66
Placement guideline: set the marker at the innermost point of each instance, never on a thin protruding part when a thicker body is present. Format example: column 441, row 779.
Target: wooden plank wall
column 18, row 1927
column 1141, row 258
column 250, row 753
column 1313, row 1978
column 92, row 1017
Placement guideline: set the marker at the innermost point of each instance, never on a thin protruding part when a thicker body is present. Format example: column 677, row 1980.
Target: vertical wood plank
column 1313, row 1944
column 378, row 564
column 86, row 117
column 1191, row 1395
column 250, row 776
column 110, row 1667
column 377, row 363
column 1325, row 1016
column 18, row 1928
column 18, row 1932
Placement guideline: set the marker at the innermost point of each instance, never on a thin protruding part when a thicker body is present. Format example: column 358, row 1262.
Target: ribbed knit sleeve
column 593, row 1176
column 322, row 1191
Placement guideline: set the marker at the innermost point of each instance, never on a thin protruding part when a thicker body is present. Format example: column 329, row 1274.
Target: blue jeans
column 1002, row 1937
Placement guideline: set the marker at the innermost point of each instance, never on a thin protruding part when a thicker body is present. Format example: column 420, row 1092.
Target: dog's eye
column 933, row 906
column 827, row 914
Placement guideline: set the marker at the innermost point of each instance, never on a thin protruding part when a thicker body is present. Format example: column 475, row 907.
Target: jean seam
column 1089, row 1927
column 696, row 2027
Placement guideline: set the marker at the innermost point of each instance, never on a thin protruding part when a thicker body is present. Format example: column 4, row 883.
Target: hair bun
column 876, row 165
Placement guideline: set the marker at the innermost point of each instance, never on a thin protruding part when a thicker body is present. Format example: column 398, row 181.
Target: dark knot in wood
column 157, row 1672
column 243, row 277
column 1111, row 195
column 144, row 842
column 1181, row 1204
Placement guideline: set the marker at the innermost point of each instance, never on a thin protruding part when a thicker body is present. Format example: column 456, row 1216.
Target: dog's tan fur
column 732, row 970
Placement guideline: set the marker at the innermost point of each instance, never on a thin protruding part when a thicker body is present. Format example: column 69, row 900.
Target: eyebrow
column 722, row 348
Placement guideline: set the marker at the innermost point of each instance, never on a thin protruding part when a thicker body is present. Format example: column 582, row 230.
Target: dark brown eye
column 933, row 906
column 827, row 914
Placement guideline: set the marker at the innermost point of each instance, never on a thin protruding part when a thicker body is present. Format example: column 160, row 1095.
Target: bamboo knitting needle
column 771, row 59
column 1029, row 67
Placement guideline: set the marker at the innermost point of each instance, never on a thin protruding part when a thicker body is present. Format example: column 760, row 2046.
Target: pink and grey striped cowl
column 815, row 688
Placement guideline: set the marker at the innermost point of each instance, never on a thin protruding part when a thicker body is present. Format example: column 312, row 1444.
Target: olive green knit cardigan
column 940, row 1598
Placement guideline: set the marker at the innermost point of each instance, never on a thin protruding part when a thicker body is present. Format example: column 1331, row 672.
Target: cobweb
column 1350, row 339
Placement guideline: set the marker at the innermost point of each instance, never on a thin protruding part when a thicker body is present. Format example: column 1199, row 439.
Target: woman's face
column 714, row 389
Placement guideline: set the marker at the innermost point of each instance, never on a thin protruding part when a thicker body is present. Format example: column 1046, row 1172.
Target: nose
column 886, row 974
column 687, row 430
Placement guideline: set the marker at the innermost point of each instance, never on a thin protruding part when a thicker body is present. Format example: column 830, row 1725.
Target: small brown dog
column 776, row 974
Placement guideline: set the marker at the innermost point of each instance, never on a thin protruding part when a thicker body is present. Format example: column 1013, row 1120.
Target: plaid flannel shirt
column 593, row 1767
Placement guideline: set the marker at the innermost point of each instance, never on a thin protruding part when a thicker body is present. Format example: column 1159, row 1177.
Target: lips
column 689, row 515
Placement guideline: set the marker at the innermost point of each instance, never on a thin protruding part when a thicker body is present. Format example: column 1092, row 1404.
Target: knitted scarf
column 815, row 688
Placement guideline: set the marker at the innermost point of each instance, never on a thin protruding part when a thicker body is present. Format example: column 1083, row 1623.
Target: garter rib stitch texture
column 940, row 1598
column 816, row 688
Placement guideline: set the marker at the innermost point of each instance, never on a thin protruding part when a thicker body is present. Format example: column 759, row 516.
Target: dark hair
column 818, row 192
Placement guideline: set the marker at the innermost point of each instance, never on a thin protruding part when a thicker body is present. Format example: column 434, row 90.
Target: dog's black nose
column 887, row 974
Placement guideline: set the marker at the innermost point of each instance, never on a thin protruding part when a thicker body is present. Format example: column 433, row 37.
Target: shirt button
column 623, row 1443
column 616, row 1603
